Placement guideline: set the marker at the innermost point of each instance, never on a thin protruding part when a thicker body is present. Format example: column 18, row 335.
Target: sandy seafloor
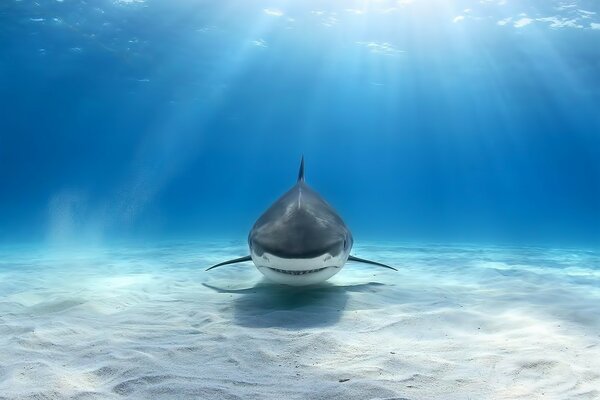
column 456, row 322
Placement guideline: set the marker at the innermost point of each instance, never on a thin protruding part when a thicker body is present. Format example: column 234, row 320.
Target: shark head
column 300, row 239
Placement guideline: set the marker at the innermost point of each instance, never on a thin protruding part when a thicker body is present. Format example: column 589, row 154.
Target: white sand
column 454, row 323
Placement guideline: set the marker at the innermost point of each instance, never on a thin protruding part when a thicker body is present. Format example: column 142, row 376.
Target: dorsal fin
column 301, row 172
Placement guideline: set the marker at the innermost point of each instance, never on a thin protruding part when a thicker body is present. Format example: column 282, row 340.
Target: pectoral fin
column 234, row 261
column 352, row 258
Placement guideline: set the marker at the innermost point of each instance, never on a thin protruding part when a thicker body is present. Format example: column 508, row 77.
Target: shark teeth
column 310, row 271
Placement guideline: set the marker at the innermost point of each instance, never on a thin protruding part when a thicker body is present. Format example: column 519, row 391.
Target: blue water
column 440, row 121
column 141, row 139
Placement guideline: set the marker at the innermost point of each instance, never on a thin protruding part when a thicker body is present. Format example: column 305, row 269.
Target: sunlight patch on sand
column 452, row 323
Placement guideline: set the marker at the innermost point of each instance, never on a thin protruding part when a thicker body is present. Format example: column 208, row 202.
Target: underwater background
column 444, row 121
column 141, row 139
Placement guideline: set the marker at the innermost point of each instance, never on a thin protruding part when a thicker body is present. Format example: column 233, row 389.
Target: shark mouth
column 310, row 271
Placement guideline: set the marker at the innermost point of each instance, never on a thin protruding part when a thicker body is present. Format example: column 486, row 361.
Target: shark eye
column 345, row 244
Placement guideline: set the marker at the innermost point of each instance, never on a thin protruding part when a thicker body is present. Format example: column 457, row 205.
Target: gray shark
column 300, row 240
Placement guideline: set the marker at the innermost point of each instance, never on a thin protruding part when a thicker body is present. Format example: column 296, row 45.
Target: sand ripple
column 453, row 323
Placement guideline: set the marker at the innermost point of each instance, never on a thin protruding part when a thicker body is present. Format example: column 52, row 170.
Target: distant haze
column 419, row 120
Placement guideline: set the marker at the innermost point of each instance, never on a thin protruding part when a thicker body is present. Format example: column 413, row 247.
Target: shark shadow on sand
column 268, row 305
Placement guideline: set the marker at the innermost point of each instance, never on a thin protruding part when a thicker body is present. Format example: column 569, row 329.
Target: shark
column 300, row 239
